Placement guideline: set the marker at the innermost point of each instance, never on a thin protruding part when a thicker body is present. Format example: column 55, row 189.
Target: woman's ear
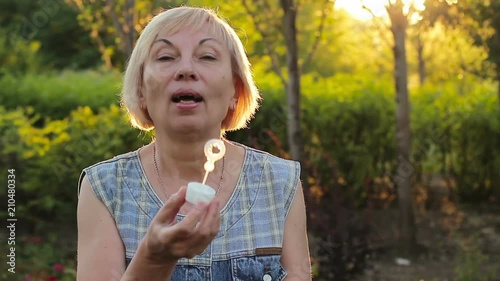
column 142, row 103
column 141, row 97
column 141, row 89
column 232, row 105
column 238, row 88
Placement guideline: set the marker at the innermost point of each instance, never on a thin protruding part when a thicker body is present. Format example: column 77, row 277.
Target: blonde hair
column 172, row 21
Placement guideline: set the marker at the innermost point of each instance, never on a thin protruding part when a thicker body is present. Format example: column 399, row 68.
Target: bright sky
column 355, row 7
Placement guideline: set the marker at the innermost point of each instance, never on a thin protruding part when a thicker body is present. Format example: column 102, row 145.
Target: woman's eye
column 208, row 57
column 165, row 58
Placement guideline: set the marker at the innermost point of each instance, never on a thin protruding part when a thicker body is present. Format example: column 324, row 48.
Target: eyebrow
column 166, row 41
column 209, row 39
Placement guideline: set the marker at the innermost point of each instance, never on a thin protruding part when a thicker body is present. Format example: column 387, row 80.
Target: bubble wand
column 212, row 156
column 200, row 192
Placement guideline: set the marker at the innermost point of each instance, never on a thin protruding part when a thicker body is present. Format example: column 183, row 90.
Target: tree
column 434, row 12
column 125, row 25
column 115, row 24
column 273, row 30
column 295, row 136
column 45, row 33
column 485, row 29
column 399, row 22
column 481, row 20
column 91, row 17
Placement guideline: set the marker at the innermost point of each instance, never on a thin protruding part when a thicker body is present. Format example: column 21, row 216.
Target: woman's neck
column 181, row 158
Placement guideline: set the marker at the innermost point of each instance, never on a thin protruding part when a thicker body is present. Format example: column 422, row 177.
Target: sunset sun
column 355, row 7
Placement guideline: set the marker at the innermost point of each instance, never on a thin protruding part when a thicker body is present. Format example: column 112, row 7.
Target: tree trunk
column 421, row 61
column 125, row 28
column 106, row 57
column 407, row 229
column 498, row 82
column 129, row 27
column 294, row 129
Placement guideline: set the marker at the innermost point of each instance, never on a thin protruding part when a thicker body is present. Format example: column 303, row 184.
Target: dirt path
column 455, row 245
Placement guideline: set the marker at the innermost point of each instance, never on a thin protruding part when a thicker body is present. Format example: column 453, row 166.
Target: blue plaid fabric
column 252, row 221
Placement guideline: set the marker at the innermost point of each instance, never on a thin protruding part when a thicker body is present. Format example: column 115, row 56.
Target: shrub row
column 349, row 131
column 55, row 95
column 48, row 160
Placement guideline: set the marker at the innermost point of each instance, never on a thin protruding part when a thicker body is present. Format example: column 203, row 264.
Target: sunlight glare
column 355, row 7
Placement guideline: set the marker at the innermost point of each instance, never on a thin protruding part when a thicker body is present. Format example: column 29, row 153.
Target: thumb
column 168, row 212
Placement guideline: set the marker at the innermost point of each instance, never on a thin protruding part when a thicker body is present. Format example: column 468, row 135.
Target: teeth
column 187, row 99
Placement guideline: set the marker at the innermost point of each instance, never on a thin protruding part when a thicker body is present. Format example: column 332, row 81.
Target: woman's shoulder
column 259, row 161
column 124, row 157
column 281, row 176
column 106, row 171
column 265, row 156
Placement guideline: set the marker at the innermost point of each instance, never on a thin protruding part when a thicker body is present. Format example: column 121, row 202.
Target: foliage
column 348, row 128
column 350, row 139
column 18, row 56
column 357, row 137
column 49, row 159
column 51, row 26
column 442, row 66
column 55, row 124
column 114, row 25
column 479, row 19
column 83, row 34
column 456, row 128
column 472, row 262
column 43, row 258
column 55, row 95
column 484, row 27
column 350, row 143
column 10, row 147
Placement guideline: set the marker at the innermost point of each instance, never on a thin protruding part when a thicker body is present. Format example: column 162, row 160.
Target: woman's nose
column 186, row 72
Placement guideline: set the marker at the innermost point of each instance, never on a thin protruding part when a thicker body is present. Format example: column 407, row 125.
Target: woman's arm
column 295, row 257
column 101, row 255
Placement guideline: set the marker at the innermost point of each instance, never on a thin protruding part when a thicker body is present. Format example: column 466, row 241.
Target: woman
column 189, row 79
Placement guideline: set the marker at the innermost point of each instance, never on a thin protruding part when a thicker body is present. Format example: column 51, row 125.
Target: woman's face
column 188, row 82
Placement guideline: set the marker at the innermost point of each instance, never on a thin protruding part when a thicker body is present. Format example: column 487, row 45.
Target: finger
column 193, row 217
column 168, row 212
column 209, row 224
column 206, row 229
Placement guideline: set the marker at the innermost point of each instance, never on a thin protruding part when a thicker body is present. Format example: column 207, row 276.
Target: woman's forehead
column 205, row 31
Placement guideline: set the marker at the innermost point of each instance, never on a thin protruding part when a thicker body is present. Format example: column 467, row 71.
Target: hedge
column 349, row 134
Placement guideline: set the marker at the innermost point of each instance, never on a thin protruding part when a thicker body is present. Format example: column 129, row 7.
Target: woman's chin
column 187, row 128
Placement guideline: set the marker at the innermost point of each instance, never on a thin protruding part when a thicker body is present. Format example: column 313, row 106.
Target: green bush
column 18, row 55
column 348, row 125
column 456, row 128
column 472, row 262
column 48, row 160
column 349, row 128
column 55, row 95
column 11, row 149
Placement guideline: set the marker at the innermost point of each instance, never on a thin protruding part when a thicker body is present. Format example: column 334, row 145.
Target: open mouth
column 186, row 97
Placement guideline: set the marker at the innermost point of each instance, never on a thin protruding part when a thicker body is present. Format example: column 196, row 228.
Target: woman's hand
column 168, row 241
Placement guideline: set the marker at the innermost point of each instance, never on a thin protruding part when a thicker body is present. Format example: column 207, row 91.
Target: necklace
column 161, row 182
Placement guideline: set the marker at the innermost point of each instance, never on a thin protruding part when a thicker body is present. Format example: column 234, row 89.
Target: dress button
column 267, row 277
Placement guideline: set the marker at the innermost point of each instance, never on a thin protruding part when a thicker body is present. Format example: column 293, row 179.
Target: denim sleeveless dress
column 248, row 244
